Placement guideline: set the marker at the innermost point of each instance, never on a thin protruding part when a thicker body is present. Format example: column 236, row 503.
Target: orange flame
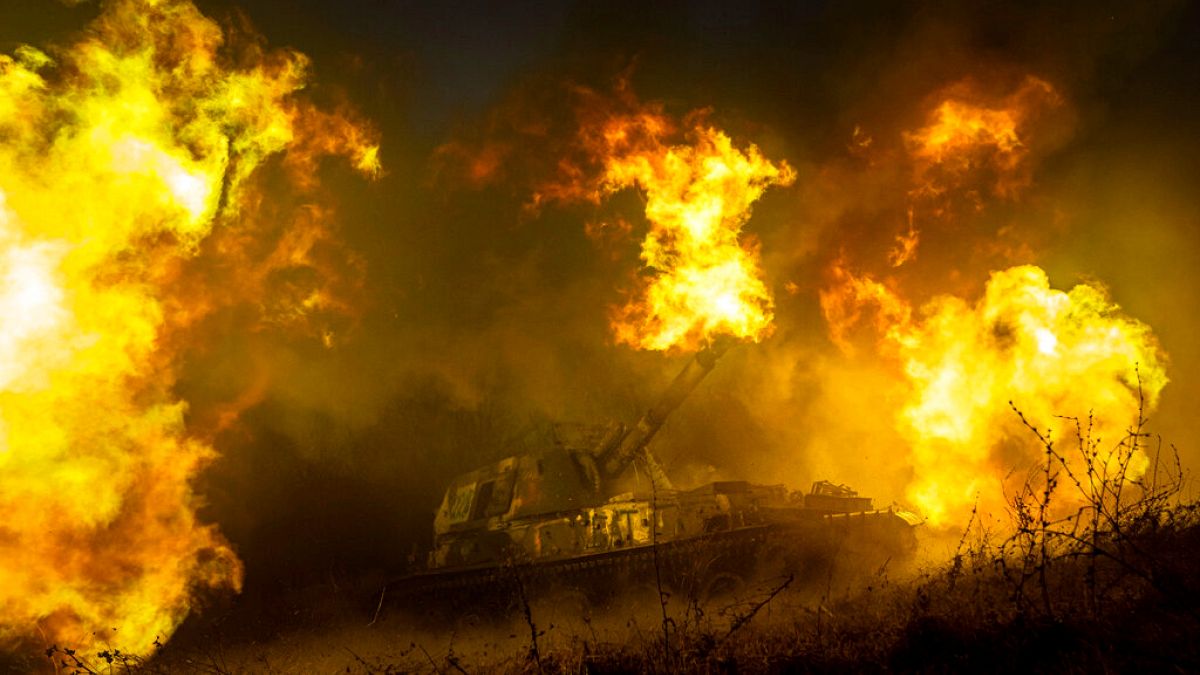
column 703, row 279
column 965, row 134
column 971, row 143
column 126, row 156
column 843, row 300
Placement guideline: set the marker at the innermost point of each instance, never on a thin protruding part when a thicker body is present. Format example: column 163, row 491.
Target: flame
column 702, row 278
column 959, row 127
column 845, row 297
column 129, row 157
column 966, row 133
column 971, row 146
column 961, row 359
column 1047, row 351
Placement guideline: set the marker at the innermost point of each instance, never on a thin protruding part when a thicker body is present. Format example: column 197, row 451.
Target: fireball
column 964, row 362
column 702, row 278
column 124, row 155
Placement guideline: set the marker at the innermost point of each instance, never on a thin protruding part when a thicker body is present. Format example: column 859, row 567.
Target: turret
column 553, row 481
column 564, row 509
column 613, row 458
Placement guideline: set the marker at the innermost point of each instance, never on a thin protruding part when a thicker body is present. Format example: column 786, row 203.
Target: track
column 692, row 566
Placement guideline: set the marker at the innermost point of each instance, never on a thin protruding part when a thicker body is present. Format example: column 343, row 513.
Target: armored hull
column 555, row 524
column 699, row 544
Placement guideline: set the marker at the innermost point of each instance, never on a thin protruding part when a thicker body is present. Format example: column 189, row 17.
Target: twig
column 662, row 597
column 432, row 663
column 453, row 660
column 534, row 652
column 379, row 606
column 956, row 566
column 745, row 618
column 369, row 667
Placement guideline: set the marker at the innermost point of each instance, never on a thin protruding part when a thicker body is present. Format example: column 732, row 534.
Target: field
column 1110, row 587
column 984, row 611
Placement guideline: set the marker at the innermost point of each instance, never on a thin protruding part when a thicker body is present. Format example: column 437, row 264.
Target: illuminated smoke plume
column 965, row 136
column 939, row 329
column 132, row 206
column 963, row 359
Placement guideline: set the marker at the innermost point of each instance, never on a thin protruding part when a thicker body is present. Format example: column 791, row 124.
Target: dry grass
column 1108, row 585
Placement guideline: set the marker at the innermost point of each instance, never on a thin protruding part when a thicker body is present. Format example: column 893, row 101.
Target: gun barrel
column 617, row 458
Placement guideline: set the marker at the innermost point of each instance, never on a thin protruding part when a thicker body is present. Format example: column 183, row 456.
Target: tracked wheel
column 721, row 587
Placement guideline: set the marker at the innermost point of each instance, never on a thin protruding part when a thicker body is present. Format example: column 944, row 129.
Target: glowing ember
column 122, row 155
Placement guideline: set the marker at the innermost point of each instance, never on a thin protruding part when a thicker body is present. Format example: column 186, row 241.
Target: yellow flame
column 1047, row 351
column 703, row 279
column 121, row 156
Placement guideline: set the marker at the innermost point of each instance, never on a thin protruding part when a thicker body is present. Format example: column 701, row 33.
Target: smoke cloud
column 488, row 318
column 473, row 320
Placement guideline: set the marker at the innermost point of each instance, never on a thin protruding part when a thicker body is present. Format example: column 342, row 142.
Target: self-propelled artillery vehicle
column 561, row 521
